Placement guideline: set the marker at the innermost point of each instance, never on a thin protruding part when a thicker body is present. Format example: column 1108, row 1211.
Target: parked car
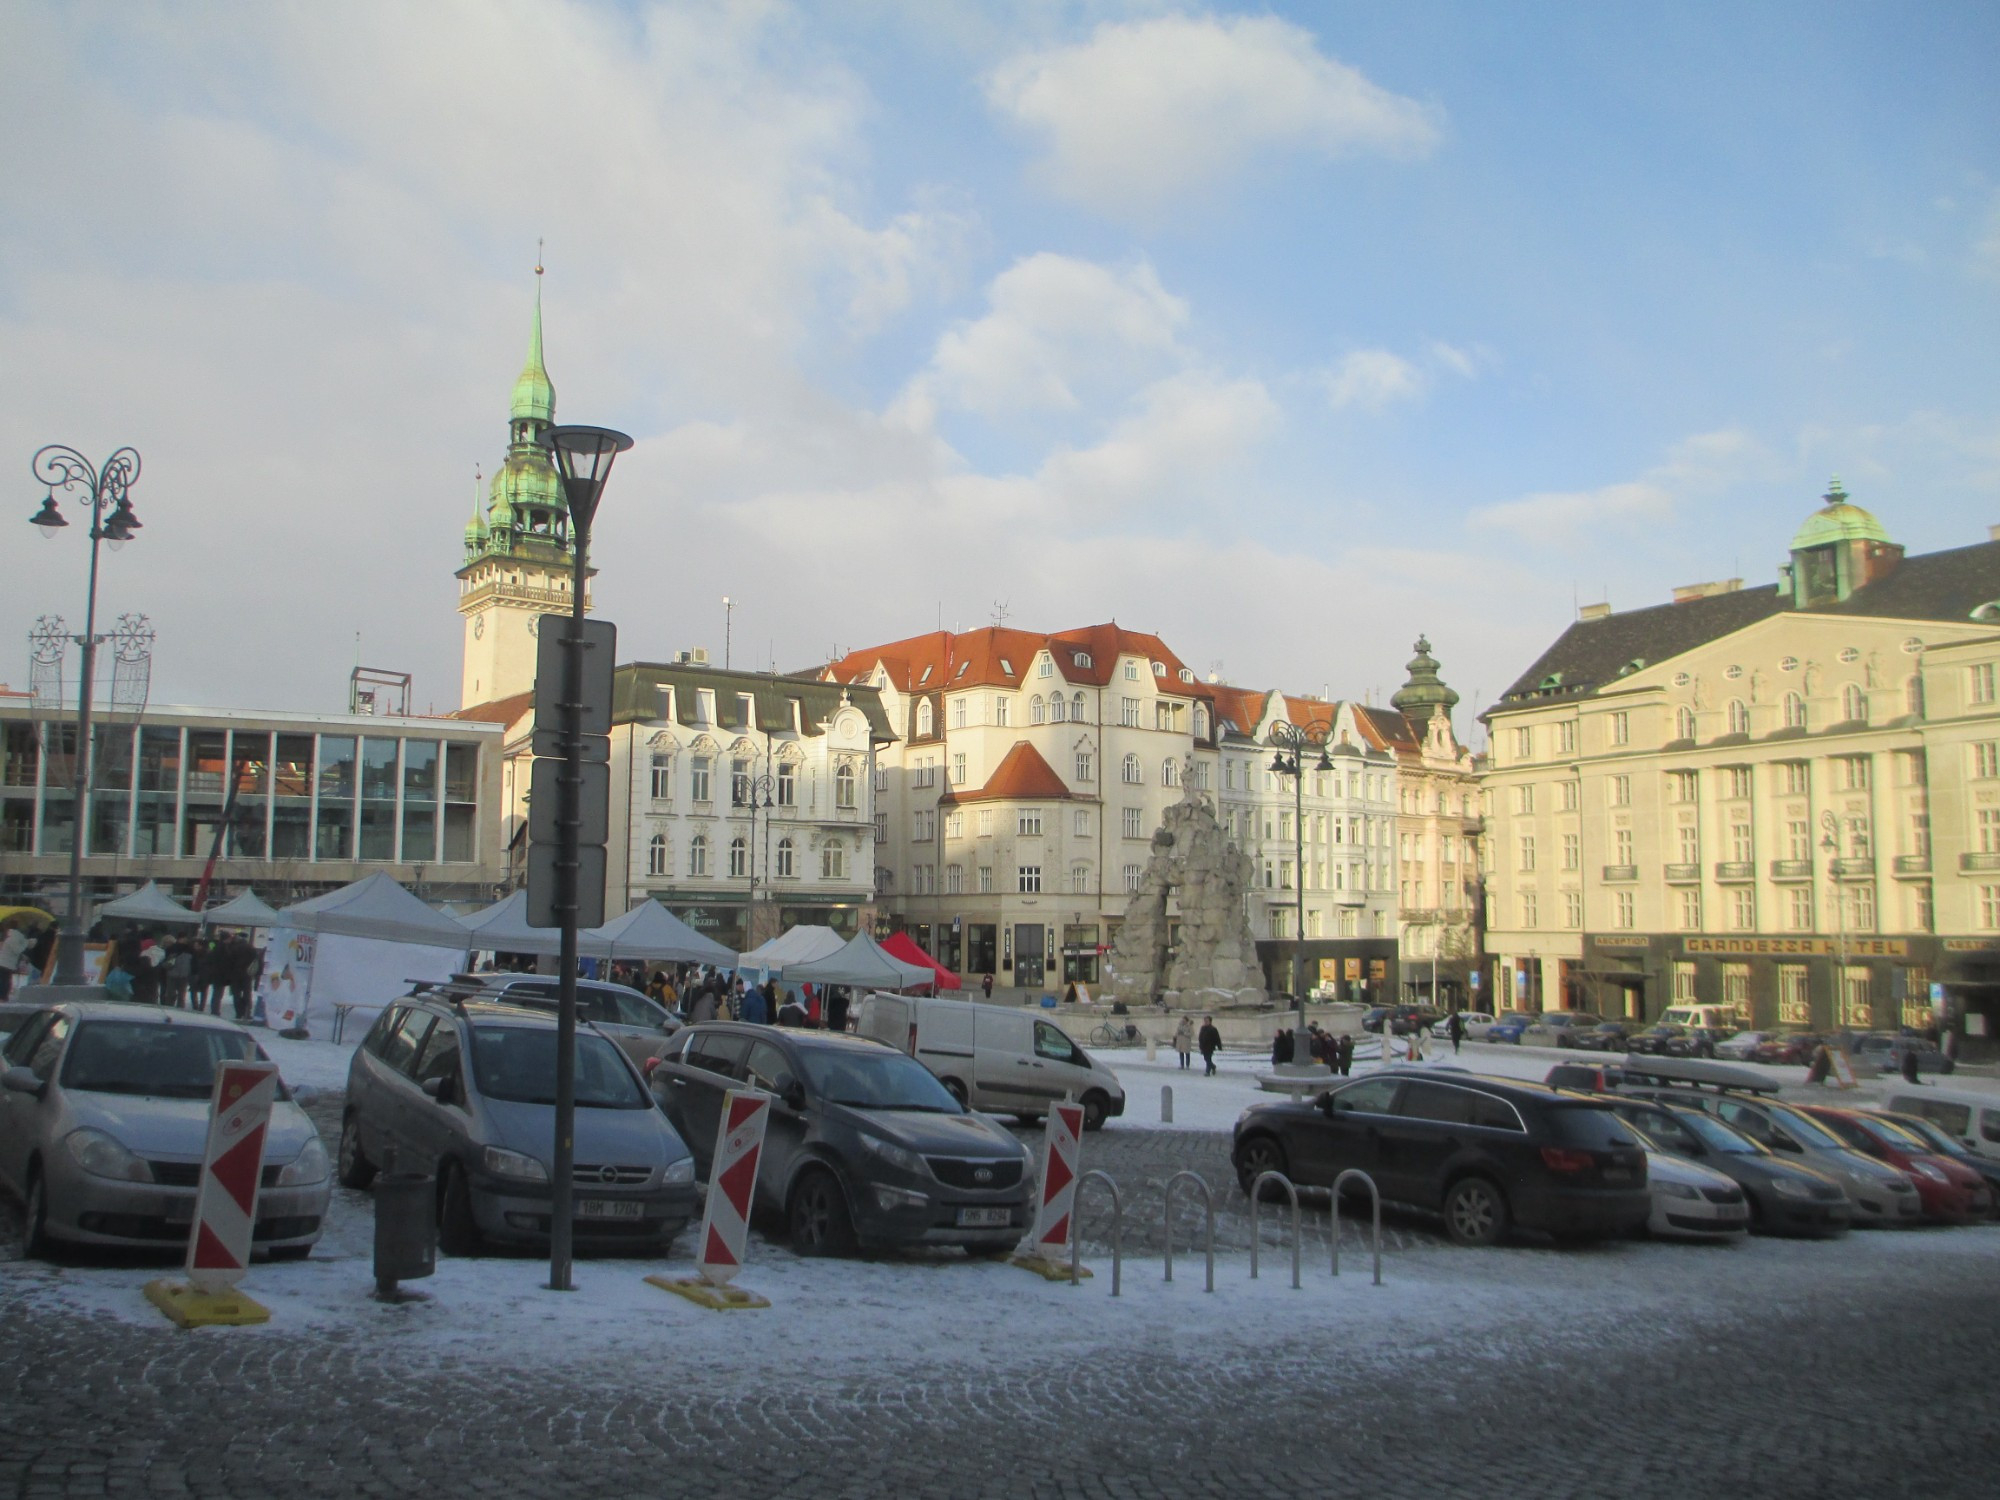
column 1881, row 1195
column 1937, row 1139
column 999, row 1058
column 1882, row 1052
column 104, row 1116
column 1508, row 1028
column 865, row 1148
column 638, row 1023
column 1971, row 1118
column 1606, row 1036
column 1482, row 1030
column 1375, row 1017
column 1671, row 1039
column 1948, row 1191
column 1693, row 1202
column 1559, row 1028
column 1712, row 1018
column 13, row 1013
column 466, row 1089
column 1794, row 1048
column 1486, row 1153
column 1783, row 1197
column 1467, row 1018
column 1741, row 1047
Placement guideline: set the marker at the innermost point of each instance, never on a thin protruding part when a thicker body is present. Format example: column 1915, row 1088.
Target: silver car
column 104, row 1112
column 466, row 1089
column 1880, row 1193
column 639, row 1024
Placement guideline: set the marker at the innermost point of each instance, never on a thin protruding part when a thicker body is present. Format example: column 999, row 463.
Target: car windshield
column 165, row 1061
column 518, row 1064
column 1715, row 1135
column 1809, row 1131
column 1932, row 1138
column 866, row 1079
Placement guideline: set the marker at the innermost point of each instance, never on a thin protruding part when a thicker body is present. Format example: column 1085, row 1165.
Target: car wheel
column 1096, row 1109
column 35, row 1241
column 1475, row 1212
column 820, row 1223
column 957, row 1091
column 356, row 1170
column 458, row 1230
column 1260, row 1154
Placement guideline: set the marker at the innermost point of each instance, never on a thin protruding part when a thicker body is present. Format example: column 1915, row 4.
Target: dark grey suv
column 467, row 1089
column 864, row 1146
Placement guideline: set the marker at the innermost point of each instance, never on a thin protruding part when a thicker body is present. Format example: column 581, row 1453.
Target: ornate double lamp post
column 756, row 794
column 106, row 488
column 1294, row 742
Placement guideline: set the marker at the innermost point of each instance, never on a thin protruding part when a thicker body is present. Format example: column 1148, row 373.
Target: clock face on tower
column 478, row 626
column 534, row 624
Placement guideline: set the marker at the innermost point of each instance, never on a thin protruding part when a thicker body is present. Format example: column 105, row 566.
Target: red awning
column 902, row 946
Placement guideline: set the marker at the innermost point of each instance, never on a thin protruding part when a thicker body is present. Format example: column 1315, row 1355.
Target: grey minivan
column 863, row 1148
column 467, row 1089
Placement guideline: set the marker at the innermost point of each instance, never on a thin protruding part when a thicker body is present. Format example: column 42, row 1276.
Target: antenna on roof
column 1000, row 613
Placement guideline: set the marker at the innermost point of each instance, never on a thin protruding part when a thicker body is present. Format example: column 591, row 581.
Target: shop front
column 1808, row 981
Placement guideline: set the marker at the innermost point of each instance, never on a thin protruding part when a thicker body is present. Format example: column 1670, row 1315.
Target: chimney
column 1690, row 591
column 1595, row 611
column 1993, row 533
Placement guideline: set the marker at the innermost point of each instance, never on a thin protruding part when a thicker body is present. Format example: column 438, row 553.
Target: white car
column 1472, row 1018
column 1693, row 1202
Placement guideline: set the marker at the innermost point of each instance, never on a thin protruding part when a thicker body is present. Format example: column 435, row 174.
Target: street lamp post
column 582, row 457
column 1292, row 741
column 1830, row 842
column 754, row 792
column 63, row 468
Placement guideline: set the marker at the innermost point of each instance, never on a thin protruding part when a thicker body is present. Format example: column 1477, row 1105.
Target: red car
column 1950, row 1191
column 1786, row 1047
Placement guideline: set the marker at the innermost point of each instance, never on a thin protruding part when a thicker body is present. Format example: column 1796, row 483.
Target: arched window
column 1130, row 770
column 1739, row 716
column 843, row 786
column 1795, row 711
column 926, row 718
column 1170, row 772
column 698, row 854
column 787, row 866
column 1058, row 708
column 656, row 854
column 833, row 862
column 739, row 857
column 1913, row 696
column 1038, row 711
column 1076, row 707
column 1201, row 721
column 1683, row 723
column 1854, row 704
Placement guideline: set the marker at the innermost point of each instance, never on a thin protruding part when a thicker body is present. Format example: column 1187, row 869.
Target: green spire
column 534, row 394
column 1425, row 691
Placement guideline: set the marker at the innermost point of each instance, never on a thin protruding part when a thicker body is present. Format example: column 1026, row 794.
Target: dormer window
column 1159, row 669
column 1131, row 671
column 746, row 710
column 1046, row 667
column 1080, row 659
column 1187, row 674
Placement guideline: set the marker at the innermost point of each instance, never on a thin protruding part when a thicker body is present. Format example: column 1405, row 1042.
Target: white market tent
column 797, row 945
column 244, row 909
column 376, row 907
column 148, row 904
column 650, row 931
column 861, row 963
column 503, row 928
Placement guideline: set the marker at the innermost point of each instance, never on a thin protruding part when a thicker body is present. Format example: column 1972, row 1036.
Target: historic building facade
column 1785, row 799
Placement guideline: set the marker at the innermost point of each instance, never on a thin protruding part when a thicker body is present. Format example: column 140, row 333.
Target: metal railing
column 1375, row 1194
column 1117, row 1230
column 1256, row 1201
column 1208, row 1204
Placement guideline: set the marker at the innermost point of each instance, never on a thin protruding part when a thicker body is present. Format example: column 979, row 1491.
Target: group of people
column 708, row 994
column 187, row 972
column 1334, row 1052
column 1208, row 1040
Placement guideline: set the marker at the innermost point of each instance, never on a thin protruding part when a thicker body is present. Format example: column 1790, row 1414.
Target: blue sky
column 1287, row 331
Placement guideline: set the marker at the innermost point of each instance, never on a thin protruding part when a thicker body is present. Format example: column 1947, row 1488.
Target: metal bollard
column 405, row 1230
column 1375, row 1194
column 1117, row 1229
column 1166, row 1104
column 1256, row 1197
column 1208, row 1202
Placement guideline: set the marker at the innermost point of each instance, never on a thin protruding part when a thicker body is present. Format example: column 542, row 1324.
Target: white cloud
column 1147, row 112
column 1188, row 430
column 1371, row 379
column 1701, row 465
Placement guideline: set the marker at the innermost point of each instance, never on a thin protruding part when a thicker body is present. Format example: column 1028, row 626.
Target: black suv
column 1485, row 1152
column 864, row 1147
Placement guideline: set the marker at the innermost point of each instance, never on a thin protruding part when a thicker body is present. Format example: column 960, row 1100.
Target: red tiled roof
column 1022, row 775
column 1387, row 728
column 500, row 711
column 979, row 658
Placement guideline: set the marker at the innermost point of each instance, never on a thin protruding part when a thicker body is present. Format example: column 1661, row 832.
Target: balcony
column 1618, row 873
column 1681, row 874
column 1972, row 862
column 1791, row 869
column 1736, row 869
column 1913, row 864
column 1417, row 916
column 1864, row 869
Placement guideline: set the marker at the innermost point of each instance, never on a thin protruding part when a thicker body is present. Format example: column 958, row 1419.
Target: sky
column 1285, row 331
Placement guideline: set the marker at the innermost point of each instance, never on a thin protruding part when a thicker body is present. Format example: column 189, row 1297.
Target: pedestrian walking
column 1283, row 1047
column 1910, row 1064
column 1184, row 1042
column 1822, row 1064
column 836, row 1007
column 986, row 986
column 1344, row 1049
column 14, row 942
column 1210, row 1042
column 705, row 1004
column 1456, row 1026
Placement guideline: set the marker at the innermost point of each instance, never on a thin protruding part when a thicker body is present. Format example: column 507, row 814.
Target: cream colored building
column 1784, row 798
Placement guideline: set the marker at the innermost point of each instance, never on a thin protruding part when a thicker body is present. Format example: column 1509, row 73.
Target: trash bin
column 405, row 1230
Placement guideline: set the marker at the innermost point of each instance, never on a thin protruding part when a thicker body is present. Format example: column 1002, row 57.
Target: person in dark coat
column 1910, row 1065
column 1283, row 1047
column 1210, row 1042
column 1456, row 1027
column 1344, row 1052
column 986, row 986
column 836, row 1007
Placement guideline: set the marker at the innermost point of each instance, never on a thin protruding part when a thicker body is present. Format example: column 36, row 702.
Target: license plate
column 609, row 1208
column 984, row 1218
column 1617, row 1174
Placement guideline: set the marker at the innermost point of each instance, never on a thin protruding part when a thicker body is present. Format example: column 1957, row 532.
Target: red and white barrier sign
column 732, row 1180
column 1061, row 1145
column 225, row 1211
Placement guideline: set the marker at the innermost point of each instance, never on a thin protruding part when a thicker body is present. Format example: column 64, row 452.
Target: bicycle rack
column 1256, row 1198
column 1208, row 1202
column 1117, row 1228
column 1375, row 1195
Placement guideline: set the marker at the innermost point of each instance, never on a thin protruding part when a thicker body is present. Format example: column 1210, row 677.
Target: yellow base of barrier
column 1048, row 1270
column 192, row 1308
column 707, row 1294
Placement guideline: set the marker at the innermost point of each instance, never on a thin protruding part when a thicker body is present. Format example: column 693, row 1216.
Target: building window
column 787, row 861
column 1624, row 915
column 1736, row 991
column 958, row 769
column 1795, row 711
column 833, row 862
column 1079, row 880
column 1982, row 682
column 1620, row 728
column 1524, row 743
column 1690, row 844
column 986, row 880
column 958, row 712
column 1683, row 786
column 1739, row 716
column 1038, row 711
column 1621, row 791
column 1917, row 1012
column 1524, row 799
column 1028, row 879
column 1799, row 909
column 1572, row 851
column 1128, row 712
column 656, row 854
column 1131, row 879
column 1046, row 667
column 1851, row 772
column 986, row 822
column 1566, row 797
column 1170, row 772
column 1566, row 737
column 954, row 825
column 1913, row 696
column 1131, row 671
column 843, row 787
column 1080, row 823
column 1058, row 708
column 1743, row 909
column 788, row 784
column 1530, row 910
column 1683, row 983
column 1742, row 848
column 1794, row 778
column 954, row 880
column 1798, row 840
column 663, row 778
column 1129, row 770
column 1986, row 759
column 1000, row 711
column 1854, row 704
column 739, row 783
column 1794, row 997
column 1028, row 822
column 698, row 768
column 698, row 855
column 1738, row 782
column 1527, row 851
column 1857, row 1000
column 1683, row 723
column 1086, row 766
column 1923, row 909
column 1989, row 830
column 739, row 858
column 1076, row 708
column 1573, row 909
column 926, row 718
column 1621, row 846
column 1133, row 825
column 1690, row 912
column 1861, row 908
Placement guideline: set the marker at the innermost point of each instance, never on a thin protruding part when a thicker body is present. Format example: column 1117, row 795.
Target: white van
column 995, row 1058
column 1721, row 1018
column 1967, row 1115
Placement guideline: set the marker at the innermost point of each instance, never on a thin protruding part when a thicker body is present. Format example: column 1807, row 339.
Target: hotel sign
column 1858, row 947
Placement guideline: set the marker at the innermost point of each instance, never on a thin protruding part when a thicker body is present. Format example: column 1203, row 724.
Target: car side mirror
column 438, row 1088
column 1785, row 1143
column 795, row 1097
column 21, row 1081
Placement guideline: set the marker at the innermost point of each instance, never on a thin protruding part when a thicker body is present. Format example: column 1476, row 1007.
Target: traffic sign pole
column 225, row 1214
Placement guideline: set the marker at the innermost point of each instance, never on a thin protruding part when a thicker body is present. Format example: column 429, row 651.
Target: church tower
column 518, row 557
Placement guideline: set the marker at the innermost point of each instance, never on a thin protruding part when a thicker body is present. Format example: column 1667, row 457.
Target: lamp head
column 583, row 457
column 48, row 518
column 1278, row 763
